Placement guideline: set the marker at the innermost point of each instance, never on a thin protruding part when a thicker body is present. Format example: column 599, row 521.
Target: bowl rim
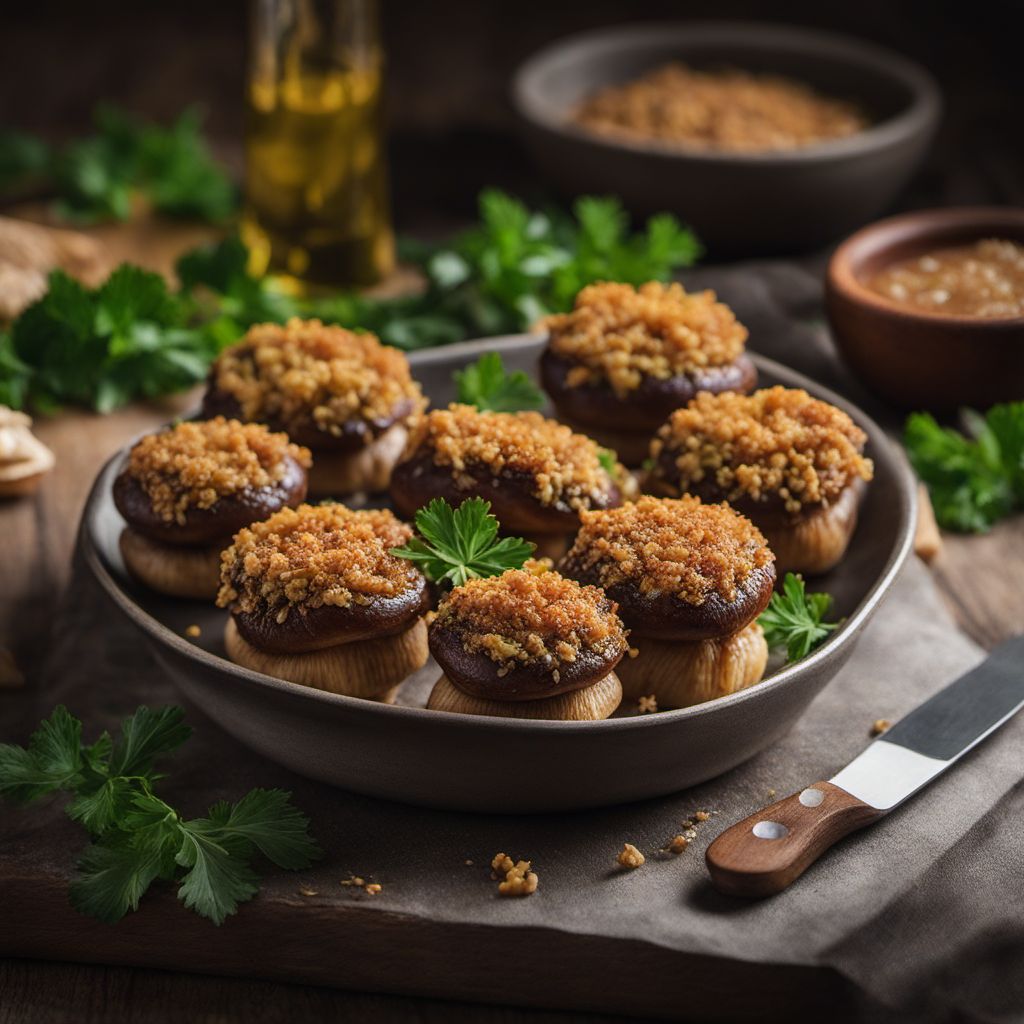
column 921, row 112
column 841, row 279
column 833, row 646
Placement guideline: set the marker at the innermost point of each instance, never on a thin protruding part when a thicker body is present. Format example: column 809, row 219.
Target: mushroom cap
column 313, row 629
column 418, row 479
column 647, row 406
column 664, row 616
column 204, row 526
column 677, row 568
column 476, row 674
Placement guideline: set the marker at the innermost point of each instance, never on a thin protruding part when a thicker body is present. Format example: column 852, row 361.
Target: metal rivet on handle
column 811, row 797
column 770, row 830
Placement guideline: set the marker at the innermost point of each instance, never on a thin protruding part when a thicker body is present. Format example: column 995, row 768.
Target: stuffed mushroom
column 689, row 581
column 184, row 491
column 317, row 598
column 527, row 645
column 792, row 463
column 537, row 474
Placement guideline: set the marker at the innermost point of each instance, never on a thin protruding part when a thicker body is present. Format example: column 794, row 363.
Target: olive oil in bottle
column 316, row 190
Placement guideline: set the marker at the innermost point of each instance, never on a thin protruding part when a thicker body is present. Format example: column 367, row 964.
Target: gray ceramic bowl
column 739, row 204
column 452, row 761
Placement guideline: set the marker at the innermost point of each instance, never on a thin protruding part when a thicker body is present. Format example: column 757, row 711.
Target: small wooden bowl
column 915, row 359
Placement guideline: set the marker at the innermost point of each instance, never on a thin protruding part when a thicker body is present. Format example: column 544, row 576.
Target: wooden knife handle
column 762, row 854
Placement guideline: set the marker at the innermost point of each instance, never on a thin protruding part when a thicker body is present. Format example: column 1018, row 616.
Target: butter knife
column 764, row 853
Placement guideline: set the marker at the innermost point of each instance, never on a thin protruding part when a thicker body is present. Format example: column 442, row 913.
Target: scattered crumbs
column 771, row 794
column 701, row 816
column 678, row 843
column 880, row 725
column 304, row 890
column 469, row 863
column 193, row 630
column 373, row 888
column 647, row 704
column 519, row 879
column 630, row 857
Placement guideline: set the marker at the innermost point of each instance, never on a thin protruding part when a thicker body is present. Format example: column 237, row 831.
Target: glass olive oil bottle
column 316, row 190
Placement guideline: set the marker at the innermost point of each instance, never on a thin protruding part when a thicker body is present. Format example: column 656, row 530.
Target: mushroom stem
column 817, row 542
column 589, row 704
column 371, row 669
column 368, row 469
column 681, row 674
column 192, row 572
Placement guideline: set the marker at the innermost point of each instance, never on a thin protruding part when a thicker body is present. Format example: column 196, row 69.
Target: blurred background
column 449, row 62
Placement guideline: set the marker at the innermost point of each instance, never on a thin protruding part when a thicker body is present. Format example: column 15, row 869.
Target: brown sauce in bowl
column 984, row 279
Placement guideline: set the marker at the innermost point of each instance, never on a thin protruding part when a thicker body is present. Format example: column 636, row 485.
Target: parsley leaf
column 103, row 347
column 793, row 619
column 456, row 545
column 138, row 836
column 974, row 479
column 609, row 461
column 487, row 385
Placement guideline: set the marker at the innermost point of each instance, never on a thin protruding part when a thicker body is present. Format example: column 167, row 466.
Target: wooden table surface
column 979, row 577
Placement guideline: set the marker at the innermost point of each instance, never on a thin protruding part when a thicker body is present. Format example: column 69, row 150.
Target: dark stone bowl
column 404, row 752
column 739, row 204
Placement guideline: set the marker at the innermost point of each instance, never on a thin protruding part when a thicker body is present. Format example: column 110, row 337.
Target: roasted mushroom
column 185, row 490
column 536, row 473
column 624, row 358
column 345, row 396
column 317, row 598
column 790, row 462
column 689, row 581
column 523, row 645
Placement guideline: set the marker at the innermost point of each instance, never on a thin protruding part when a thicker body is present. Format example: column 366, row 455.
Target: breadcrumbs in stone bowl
column 523, row 645
column 630, row 356
column 186, row 489
column 317, row 598
column 537, row 474
column 344, row 394
column 689, row 580
column 793, row 463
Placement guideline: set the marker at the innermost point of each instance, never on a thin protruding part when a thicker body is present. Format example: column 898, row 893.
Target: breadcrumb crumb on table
column 373, row 888
column 193, row 631
column 519, row 879
column 678, row 843
column 630, row 857
column 702, row 816
column 304, row 890
column 647, row 704
column 880, row 725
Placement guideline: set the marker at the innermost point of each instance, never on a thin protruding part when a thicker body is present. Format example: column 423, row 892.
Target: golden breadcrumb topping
column 565, row 468
column 195, row 464
column 522, row 618
column 730, row 110
column 315, row 555
column 621, row 334
column 671, row 546
column 777, row 441
column 306, row 373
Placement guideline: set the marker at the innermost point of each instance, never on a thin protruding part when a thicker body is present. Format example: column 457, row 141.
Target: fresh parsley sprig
column 491, row 388
column 459, row 544
column 102, row 347
column 139, row 838
column 793, row 619
column 973, row 478
column 96, row 177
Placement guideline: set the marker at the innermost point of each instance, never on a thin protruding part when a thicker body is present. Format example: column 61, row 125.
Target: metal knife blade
column 935, row 735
